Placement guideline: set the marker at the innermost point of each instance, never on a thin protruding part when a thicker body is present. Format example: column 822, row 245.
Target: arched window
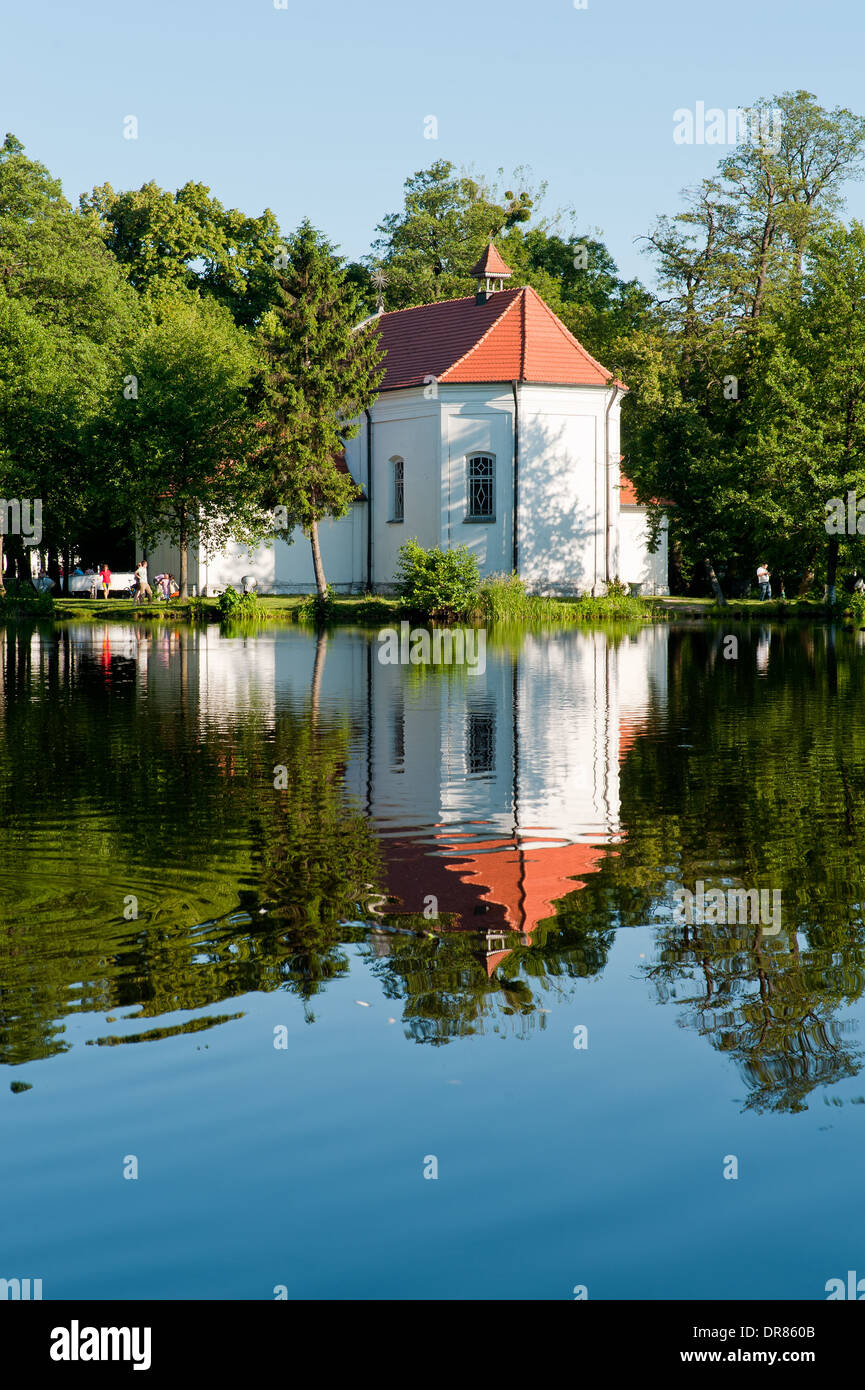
column 397, row 490
column 481, row 488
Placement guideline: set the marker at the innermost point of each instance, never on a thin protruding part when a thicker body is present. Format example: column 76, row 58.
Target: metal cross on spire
column 379, row 279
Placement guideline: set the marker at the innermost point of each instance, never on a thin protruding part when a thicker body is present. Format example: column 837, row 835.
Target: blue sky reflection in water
column 552, row 806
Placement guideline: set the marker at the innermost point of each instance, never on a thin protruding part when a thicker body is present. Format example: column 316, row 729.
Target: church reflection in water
column 515, row 796
column 492, row 794
column 480, row 839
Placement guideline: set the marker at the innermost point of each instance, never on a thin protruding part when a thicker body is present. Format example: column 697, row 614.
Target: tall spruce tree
column 322, row 371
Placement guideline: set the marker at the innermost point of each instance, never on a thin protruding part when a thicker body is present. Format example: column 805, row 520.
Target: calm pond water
column 290, row 928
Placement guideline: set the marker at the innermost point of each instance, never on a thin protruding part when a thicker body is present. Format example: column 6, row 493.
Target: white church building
column 493, row 428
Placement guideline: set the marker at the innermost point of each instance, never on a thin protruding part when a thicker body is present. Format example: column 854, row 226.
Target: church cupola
column 491, row 273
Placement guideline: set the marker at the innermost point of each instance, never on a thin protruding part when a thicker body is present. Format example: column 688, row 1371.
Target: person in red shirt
column 105, row 576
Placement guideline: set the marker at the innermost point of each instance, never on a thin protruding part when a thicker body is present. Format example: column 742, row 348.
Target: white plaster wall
column 341, row 545
column 478, row 420
column 562, row 483
column 164, row 558
column 614, row 482
column 405, row 424
column 283, row 568
column 228, row 566
column 636, row 565
column 562, row 488
column 279, row 568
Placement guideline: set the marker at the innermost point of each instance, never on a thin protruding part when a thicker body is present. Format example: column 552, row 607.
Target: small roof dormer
column 491, row 273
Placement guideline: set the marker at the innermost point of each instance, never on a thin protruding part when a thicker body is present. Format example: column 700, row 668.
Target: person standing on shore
column 105, row 578
column 144, row 589
column 764, row 580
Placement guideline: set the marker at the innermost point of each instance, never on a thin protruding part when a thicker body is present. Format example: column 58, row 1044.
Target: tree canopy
column 743, row 416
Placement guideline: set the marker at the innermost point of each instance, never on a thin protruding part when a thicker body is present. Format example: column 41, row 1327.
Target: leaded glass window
column 482, row 486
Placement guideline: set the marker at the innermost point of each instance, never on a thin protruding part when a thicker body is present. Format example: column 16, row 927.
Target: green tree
column 783, row 189
column 577, row 276
column 427, row 250
column 426, row 253
column 322, row 371
column 66, row 312
column 805, row 423
column 186, row 429
column 736, row 249
column 187, row 240
column 704, row 421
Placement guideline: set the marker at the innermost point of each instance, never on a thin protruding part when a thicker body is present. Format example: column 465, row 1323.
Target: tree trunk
column 675, row 577
column 54, row 567
column 766, row 240
column 716, row 588
column 808, row 574
column 19, row 563
column 2, row 583
column 317, row 673
column 320, row 581
column 831, row 569
column 67, row 559
column 183, row 577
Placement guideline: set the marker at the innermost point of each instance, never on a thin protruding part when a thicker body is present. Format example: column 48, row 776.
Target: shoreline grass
column 673, row 606
column 496, row 605
column 360, row 609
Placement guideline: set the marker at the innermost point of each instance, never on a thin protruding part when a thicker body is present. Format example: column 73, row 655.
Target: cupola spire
column 491, row 273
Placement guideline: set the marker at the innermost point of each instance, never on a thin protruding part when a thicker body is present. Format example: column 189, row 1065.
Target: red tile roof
column 514, row 336
column 628, row 495
column 491, row 263
column 518, row 881
column 627, row 492
column 342, row 467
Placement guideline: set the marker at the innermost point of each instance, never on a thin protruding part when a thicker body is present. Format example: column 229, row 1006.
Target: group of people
column 166, row 584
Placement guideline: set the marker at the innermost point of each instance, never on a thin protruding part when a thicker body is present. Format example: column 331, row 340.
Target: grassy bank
column 738, row 609
column 492, row 607
column 363, row 609
column 359, row 608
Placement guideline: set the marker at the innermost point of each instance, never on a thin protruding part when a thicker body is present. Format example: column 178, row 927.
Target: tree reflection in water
column 120, row 774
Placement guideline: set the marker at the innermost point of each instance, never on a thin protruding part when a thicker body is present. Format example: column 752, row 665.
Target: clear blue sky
column 318, row 110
